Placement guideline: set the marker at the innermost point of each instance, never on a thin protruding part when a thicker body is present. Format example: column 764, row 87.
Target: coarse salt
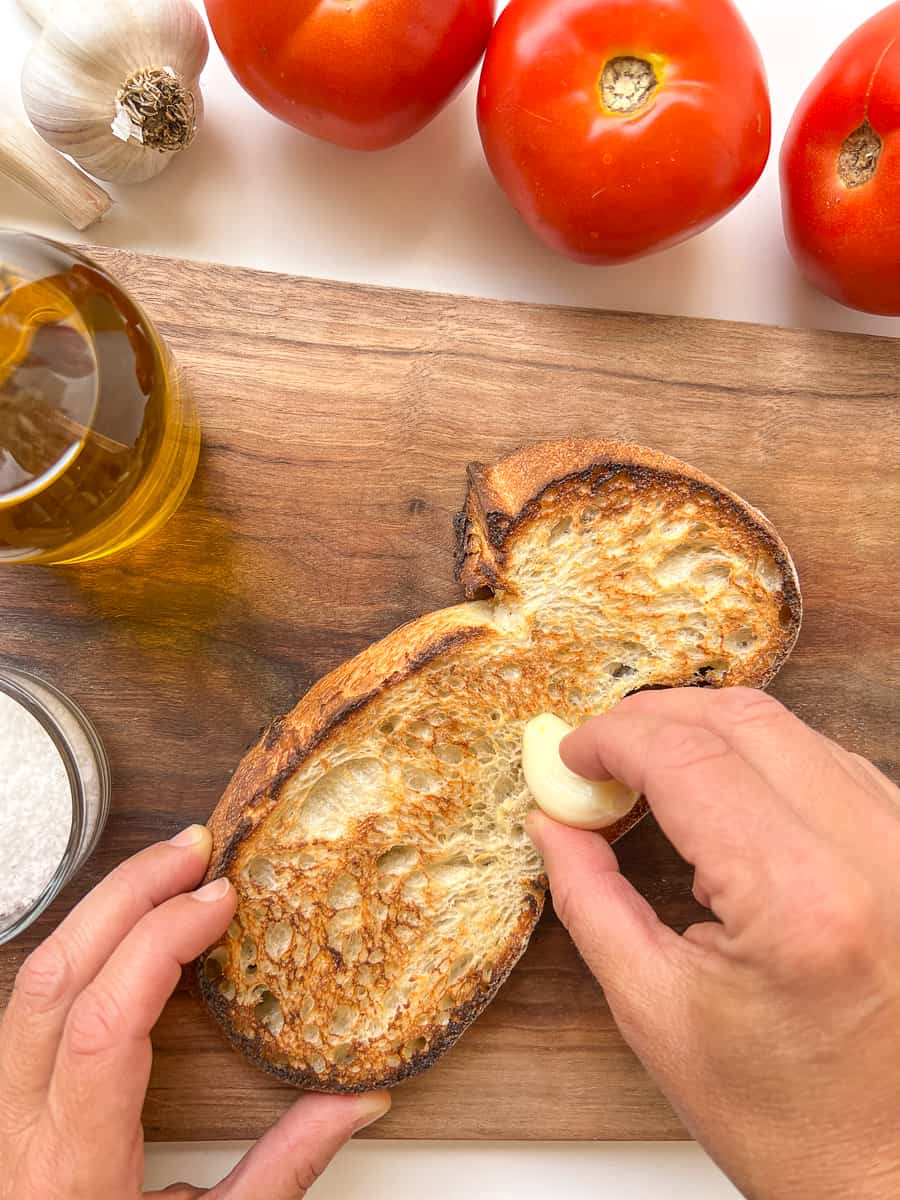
column 35, row 807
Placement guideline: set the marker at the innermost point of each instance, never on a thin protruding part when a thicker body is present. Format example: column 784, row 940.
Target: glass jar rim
column 14, row 683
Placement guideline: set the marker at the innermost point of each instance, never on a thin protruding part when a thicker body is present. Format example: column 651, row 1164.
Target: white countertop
column 428, row 215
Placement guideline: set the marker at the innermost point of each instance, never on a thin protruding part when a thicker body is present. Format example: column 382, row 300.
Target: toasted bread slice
column 375, row 835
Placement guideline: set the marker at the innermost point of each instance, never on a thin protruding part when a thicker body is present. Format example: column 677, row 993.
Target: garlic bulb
column 114, row 83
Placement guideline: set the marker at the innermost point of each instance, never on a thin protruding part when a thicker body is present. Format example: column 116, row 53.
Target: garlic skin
column 114, row 83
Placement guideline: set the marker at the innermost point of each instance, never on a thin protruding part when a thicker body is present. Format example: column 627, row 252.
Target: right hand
column 774, row 1031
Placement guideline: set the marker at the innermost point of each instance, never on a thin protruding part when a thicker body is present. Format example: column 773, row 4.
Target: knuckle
column 740, row 706
column 681, row 747
column 578, row 906
column 840, row 930
column 310, row 1167
column 565, row 903
column 94, row 1024
column 305, row 1175
column 45, row 975
column 127, row 879
column 849, row 918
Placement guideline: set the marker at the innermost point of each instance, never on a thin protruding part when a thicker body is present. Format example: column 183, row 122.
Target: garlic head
column 114, row 83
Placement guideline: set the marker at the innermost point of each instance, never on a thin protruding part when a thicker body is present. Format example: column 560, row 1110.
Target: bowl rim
column 16, row 683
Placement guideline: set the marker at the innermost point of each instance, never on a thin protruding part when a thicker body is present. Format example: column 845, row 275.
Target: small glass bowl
column 87, row 768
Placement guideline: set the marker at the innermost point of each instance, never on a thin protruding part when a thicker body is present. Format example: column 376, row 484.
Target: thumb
column 293, row 1154
column 628, row 949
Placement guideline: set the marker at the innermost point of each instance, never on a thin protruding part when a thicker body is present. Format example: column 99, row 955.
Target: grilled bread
column 375, row 833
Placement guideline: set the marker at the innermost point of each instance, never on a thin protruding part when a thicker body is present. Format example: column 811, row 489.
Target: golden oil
column 99, row 438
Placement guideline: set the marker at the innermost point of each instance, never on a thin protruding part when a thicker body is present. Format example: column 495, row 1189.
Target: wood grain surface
column 338, row 422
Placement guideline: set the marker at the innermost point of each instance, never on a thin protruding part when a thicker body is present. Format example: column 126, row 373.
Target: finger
column 293, row 1154
column 720, row 815
column 618, row 934
column 704, row 794
column 812, row 775
column 681, row 706
column 61, row 967
column 103, row 1063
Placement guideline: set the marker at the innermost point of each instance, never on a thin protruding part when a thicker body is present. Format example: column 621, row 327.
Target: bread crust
column 503, row 501
column 503, row 497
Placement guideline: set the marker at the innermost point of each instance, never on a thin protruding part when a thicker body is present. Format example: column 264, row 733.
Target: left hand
column 75, row 1048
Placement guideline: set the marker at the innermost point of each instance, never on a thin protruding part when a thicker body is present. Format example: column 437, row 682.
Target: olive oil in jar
column 98, row 437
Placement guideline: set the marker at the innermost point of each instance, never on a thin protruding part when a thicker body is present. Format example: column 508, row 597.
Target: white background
column 427, row 214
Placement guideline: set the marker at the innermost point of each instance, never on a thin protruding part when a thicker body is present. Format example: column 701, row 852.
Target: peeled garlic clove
column 561, row 793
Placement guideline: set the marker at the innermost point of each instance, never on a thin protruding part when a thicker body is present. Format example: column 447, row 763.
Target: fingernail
column 371, row 1108
column 216, row 890
column 190, row 836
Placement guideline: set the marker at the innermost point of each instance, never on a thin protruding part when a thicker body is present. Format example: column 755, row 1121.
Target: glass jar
column 99, row 438
column 87, row 770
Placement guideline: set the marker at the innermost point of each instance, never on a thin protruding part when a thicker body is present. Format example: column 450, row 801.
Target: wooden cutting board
column 338, row 421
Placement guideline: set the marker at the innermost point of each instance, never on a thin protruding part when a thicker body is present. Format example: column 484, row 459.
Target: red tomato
column 840, row 171
column 362, row 73
column 618, row 127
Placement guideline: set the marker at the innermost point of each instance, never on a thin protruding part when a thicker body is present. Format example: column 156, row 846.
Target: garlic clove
column 563, row 795
column 28, row 160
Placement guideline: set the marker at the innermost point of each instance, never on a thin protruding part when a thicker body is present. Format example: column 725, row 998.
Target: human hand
column 775, row 1032
column 75, row 1047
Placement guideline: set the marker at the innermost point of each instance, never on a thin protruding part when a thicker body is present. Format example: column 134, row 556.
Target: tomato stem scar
column 626, row 84
column 859, row 157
